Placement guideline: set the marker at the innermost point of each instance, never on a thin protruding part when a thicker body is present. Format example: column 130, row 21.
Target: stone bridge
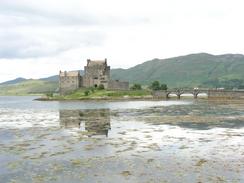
column 211, row 93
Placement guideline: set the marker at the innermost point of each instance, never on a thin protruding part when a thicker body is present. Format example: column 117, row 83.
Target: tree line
column 155, row 85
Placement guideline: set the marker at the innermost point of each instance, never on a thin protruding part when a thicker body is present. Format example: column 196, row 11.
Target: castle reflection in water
column 94, row 121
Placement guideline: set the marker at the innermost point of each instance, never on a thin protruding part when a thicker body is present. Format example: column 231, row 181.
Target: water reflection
column 95, row 121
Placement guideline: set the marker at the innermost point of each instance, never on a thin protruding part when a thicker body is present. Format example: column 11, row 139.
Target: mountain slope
column 30, row 86
column 187, row 71
column 14, row 81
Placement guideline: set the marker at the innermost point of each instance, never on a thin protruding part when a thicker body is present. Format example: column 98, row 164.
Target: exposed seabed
column 153, row 141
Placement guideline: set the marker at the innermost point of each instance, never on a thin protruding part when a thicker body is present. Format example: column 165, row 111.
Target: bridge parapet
column 211, row 93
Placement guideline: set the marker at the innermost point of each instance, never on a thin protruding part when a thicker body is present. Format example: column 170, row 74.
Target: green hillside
column 195, row 70
column 30, row 86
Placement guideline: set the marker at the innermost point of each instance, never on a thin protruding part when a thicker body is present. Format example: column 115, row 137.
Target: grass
column 103, row 94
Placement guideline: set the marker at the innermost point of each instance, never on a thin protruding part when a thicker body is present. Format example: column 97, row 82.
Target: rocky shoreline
column 99, row 98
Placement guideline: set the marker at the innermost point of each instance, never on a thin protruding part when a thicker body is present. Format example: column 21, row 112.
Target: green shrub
column 136, row 87
column 86, row 92
column 92, row 89
column 49, row 94
column 101, row 87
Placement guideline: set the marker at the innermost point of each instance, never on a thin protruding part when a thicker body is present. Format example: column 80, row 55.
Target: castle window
column 95, row 78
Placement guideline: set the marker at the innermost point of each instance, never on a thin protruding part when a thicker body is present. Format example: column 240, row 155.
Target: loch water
column 182, row 140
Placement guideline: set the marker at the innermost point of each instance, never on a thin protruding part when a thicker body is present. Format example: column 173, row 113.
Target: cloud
column 32, row 29
column 61, row 13
column 38, row 38
column 37, row 42
column 20, row 14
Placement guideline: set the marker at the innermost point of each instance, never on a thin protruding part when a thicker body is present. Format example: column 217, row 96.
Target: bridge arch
column 202, row 94
column 183, row 93
column 209, row 93
column 187, row 95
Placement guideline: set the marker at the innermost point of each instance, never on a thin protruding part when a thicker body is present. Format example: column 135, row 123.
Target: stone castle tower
column 96, row 73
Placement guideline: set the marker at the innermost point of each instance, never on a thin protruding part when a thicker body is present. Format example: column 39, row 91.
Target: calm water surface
column 129, row 141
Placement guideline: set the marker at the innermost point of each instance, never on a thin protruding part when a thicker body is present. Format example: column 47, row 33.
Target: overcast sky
column 39, row 38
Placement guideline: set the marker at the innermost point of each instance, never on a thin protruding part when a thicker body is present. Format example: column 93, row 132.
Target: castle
column 96, row 73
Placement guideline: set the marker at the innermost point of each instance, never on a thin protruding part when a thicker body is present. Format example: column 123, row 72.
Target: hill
column 194, row 70
column 30, row 86
column 14, row 81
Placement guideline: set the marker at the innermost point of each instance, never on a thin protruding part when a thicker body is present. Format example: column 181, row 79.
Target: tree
column 155, row 85
column 163, row 87
column 136, row 87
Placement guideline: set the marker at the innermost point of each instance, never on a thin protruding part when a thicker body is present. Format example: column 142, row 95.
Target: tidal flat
column 123, row 141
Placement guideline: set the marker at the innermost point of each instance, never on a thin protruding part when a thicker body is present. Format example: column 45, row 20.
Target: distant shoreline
column 101, row 99
column 142, row 99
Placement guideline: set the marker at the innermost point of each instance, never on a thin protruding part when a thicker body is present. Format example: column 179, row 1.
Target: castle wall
column 118, row 85
column 68, row 83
